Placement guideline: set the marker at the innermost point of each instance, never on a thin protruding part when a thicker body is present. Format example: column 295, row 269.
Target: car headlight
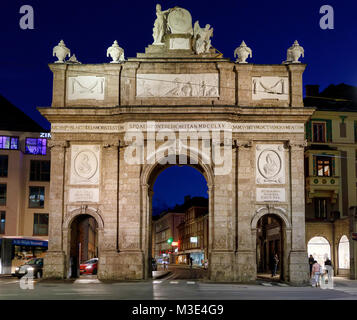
column 17, row 268
column 30, row 269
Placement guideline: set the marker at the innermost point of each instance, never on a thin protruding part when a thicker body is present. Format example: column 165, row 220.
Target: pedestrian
column 328, row 270
column 316, row 272
column 311, row 262
column 275, row 265
column 191, row 262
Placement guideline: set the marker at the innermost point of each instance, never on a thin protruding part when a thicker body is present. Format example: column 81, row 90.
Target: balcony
column 322, row 187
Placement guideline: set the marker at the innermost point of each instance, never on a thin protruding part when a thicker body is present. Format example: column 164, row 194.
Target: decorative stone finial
column 116, row 53
column 242, row 53
column 294, row 53
column 73, row 60
column 61, row 51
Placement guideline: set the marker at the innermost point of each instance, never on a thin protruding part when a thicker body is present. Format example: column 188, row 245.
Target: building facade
column 193, row 237
column 109, row 123
column 166, row 235
column 24, row 186
column 331, row 177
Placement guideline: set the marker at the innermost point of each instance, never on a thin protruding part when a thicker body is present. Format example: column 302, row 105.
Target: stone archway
column 279, row 241
column 320, row 248
column 148, row 177
column 83, row 211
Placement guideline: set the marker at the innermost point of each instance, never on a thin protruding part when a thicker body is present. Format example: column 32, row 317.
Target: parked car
column 33, row 267
column 89, row 267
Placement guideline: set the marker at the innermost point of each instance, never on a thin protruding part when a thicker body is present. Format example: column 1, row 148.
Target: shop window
column 320, row 208
column 37, row 197
column 4, row 160
column 9, row 143
column 39, row 170
column 40, row 224
column 324, row 166
column 2, row 194
column 2, row 222
column 319, row 132
column 36, row 146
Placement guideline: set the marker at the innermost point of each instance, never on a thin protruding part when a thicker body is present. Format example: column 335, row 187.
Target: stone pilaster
column 245, row 254
column 226, row 83
column 298, row 269
column 54, row 263
column 128, row 83
column 295, row 75
column 244, row 84
column 59, row 84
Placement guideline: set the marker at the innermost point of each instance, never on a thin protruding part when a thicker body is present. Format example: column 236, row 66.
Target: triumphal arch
column 117, row 125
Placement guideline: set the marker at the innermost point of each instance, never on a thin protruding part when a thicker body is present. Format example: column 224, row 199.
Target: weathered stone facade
column 91, row 116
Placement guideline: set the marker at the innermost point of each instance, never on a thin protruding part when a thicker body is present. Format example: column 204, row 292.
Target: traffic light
column 169, row 240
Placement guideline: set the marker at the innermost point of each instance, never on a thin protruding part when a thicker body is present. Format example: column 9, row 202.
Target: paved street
column 171, row 287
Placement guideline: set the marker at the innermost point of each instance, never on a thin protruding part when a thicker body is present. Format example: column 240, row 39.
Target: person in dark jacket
column 311, row 262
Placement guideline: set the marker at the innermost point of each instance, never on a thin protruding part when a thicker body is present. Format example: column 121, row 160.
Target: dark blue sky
column 174, row 183
column 89, row 28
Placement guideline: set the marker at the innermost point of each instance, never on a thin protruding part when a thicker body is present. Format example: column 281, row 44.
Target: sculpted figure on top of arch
column 160, row 25
column 179, row 21
column 202, row 38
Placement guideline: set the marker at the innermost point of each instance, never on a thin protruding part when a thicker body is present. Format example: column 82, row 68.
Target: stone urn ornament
column 116, row 53
column 61, row 51
column 294, row 53
column 243, row 53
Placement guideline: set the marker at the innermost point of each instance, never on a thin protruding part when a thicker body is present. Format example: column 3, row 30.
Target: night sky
column 89, row 28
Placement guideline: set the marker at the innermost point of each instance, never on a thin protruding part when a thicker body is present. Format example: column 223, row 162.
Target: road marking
column 157, row 281
column 266, row 284
column 174, row 282
column 64, row 293
column 191, row 282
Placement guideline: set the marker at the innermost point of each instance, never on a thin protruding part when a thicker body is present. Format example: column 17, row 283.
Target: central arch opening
column 179, row 221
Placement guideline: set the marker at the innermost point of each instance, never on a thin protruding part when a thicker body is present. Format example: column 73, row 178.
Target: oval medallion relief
column 85, row 164
column 269, row 164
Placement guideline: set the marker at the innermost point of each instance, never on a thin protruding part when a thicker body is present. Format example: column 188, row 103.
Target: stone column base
column 299, row 273
column 54, row 265
column 221, row 266
column 125, row 265
column 245, row 266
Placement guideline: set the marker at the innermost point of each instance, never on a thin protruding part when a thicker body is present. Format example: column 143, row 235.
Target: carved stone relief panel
column 85, row 87
column 270, row 88
column 83, row 195
column 85, row 164
column 177, row 85
column 270, row 164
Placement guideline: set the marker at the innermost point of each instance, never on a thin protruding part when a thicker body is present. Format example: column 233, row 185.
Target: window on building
column 2, row 194
column 343, row 130
column 324, row 166
column 39, row 170
column 36, row 146
column 9, row 143
column 37, row 197
column 319, row 132
column 2, row 222
column 4, row 160
column 40, row 224
column 320, row 208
